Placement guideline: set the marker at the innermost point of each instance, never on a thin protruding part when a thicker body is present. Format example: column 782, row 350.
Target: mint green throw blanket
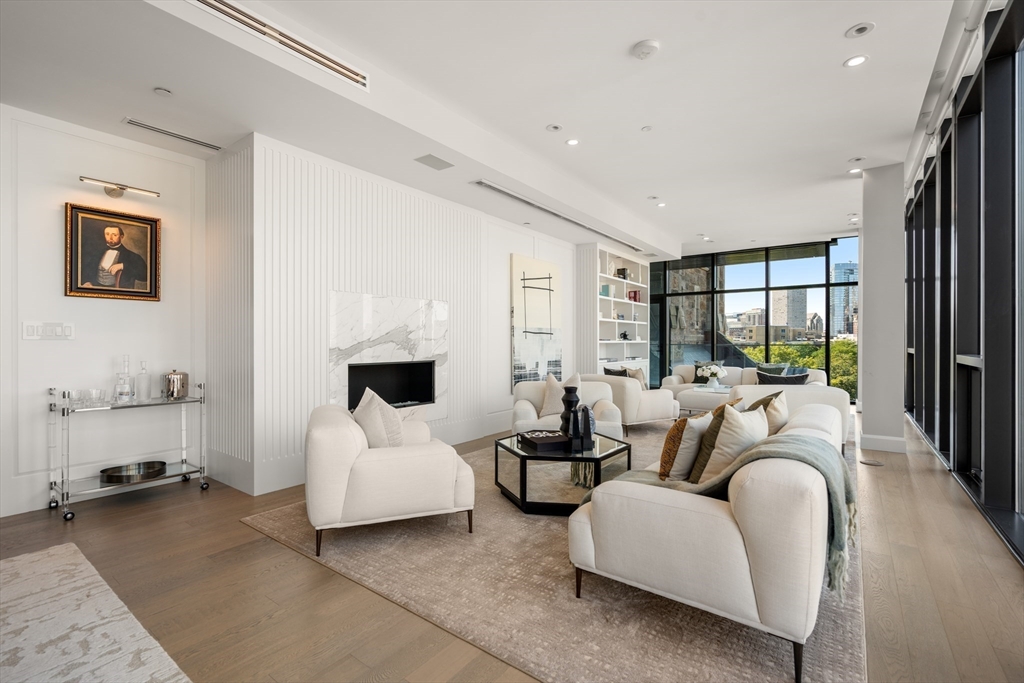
column 810, row 450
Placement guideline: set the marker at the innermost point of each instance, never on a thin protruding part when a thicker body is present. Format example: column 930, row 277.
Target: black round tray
column 128, row 474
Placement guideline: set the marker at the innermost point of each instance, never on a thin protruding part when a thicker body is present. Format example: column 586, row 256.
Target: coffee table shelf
column 512, row 470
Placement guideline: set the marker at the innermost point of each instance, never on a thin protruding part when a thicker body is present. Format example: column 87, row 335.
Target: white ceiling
column 754, row 116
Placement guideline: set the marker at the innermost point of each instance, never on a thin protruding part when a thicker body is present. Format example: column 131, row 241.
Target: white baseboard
column 889, row 444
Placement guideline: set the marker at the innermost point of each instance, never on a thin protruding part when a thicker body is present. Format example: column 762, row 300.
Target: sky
column 794, row 272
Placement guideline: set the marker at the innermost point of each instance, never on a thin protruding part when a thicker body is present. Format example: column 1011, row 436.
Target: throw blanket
column 810, row 450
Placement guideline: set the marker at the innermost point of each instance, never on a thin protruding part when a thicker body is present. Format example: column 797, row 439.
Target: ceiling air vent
column 519, row 198
column 436, row 163
column 170, row 133
column 307, row 52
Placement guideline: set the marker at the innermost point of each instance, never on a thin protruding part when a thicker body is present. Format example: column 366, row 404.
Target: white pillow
column 740, row 431
column 379, row 421
column 777, row 414
column 689, row 446
column 554, row 392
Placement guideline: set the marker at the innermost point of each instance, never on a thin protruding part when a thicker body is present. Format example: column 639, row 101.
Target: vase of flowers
column 712, row 372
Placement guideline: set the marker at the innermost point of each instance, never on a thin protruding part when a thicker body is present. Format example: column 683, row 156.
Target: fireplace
column 402, row 384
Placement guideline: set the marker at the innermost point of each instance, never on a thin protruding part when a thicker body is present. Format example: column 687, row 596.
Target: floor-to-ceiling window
column 793, row 304
column 964, row 280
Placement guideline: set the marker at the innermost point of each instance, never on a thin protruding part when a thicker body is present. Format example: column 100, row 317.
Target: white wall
column 882, row 310
column 40, row 162
column 318, row 226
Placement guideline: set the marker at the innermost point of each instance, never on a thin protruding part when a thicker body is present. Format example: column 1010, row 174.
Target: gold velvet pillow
column 682, row 443
column 707, row 444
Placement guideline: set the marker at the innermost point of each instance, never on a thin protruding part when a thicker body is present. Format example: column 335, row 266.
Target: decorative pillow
column 763, row 378
column 697, row 365
column 795, row 371
column 773, row 368
column 739, row 432
column 379, row 421
column 616, row 372
column 777, row 413
column 682, row 443
column 707, row 442
column 553, row 393
column 638, row 375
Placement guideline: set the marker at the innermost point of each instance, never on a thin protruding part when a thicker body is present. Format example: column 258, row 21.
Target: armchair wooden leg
column 798, row 660
column 470, row 513
column 579, row 580
column 319, row 536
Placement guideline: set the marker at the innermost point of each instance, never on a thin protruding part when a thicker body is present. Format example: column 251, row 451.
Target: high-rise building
column 843, row 300
column 789, row 308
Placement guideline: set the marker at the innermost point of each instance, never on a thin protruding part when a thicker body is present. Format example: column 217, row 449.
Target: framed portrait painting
column 111, row 255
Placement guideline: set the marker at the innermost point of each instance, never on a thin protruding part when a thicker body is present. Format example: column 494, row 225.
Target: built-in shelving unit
column 602, row 296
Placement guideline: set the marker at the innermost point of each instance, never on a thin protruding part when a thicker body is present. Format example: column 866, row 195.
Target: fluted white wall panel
column 318, row 226
column 587, row 308
column 229, row 344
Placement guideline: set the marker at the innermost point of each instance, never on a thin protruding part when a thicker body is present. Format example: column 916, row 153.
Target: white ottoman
column 700, row 400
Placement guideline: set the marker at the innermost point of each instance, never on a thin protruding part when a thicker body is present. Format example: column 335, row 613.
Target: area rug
column 60, row 621
column 509, row 589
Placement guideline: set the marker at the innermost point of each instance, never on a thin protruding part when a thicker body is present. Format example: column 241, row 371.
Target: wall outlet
column 33, row 330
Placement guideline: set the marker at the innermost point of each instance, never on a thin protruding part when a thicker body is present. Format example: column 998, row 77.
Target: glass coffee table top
column 553, row 483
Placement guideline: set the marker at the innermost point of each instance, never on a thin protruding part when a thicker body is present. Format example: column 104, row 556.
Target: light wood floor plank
column 888, row 652
column 976, row 660
column 931, row 657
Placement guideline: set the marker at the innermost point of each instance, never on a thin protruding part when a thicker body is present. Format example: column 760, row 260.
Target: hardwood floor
column 944, row 599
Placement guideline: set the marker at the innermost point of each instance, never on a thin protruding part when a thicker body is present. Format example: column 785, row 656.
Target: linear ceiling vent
column 170, row 133
column 307, row 52
column 518, row 197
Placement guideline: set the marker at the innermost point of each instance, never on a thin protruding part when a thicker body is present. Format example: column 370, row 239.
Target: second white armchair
column 635, row 404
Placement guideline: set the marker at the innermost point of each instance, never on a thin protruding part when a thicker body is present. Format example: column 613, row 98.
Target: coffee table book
column 543, row 441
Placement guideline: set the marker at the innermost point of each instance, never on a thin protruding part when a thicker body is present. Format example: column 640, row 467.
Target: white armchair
column 758, row 558
column 350, row 484
column 635, row 404
column 529, row 398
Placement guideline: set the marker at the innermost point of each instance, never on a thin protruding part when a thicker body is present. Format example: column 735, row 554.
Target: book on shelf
column 605, row 290
column 633, row 295
column 608, row 360
column 633, row 358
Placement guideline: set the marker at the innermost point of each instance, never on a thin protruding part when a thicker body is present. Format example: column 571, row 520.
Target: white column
column 882, row 313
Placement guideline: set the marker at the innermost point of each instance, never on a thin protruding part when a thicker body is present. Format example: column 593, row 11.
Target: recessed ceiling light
column 861, row 29
column 753, row 240
column 526, row 223
column 661, row 204
column 653, row 197
column 554, row 128
column 162, row 92
column 856, row 61
column 854, row 219
column 707, row 239
column 853, row 214
column 700, row 234
column 855, row 160
column 572, row 143
column 647, row 129
column 855, row 170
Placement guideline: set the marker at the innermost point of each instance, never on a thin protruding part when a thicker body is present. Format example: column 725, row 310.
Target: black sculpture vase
column 570, row 400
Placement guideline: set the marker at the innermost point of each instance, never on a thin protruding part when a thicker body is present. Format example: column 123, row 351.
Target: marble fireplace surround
column 365, row 328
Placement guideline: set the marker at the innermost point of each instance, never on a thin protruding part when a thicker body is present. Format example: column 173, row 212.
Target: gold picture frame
column 111, row 254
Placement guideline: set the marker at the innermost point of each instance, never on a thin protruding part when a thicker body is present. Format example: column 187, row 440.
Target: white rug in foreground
column 60, row 621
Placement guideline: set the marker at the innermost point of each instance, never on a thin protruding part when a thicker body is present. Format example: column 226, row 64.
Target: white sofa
column 801, row 396
column 681, row 383
column 757, row 558
column 636, row 404
column 529, row 399
column 350, row 484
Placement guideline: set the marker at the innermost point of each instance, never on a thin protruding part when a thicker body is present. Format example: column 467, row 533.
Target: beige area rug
column 60, row 621
column 509, row 589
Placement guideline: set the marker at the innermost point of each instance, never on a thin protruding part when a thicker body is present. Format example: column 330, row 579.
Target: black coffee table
column 513, row 465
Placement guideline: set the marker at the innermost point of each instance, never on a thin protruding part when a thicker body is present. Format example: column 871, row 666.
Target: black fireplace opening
column 402, row 384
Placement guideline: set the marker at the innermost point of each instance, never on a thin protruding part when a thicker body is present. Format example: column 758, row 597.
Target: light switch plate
column 34, row 330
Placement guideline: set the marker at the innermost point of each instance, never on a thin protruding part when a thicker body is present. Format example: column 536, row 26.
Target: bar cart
column 63, row 488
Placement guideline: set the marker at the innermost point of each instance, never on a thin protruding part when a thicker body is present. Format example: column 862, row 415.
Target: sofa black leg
column 319, row 535
column 470, row 513
column 579, row 580
column 798, row 660
column 625, row 431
